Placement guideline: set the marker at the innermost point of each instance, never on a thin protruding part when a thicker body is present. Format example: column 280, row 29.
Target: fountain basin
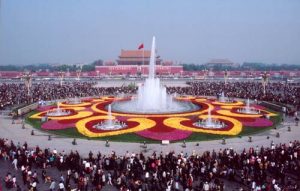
column 74, row 101
column 246, row 110
column 210, row 124
column 106, row 126
column 132, row 106
column 58, row 112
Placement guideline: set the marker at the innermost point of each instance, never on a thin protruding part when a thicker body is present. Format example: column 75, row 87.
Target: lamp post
column 226, row 74
column 205, row 74
column 265, row 79
column 98, row 74
column 27, row 76
column 78, row 73
column 61, row 75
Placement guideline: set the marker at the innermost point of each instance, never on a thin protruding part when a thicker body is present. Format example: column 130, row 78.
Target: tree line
column 243, row 67
column 52, row 67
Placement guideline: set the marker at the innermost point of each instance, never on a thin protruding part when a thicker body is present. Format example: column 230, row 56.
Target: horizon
column 70, row 32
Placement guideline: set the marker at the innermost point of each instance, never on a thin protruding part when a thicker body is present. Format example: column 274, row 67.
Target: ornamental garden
column 208, row 119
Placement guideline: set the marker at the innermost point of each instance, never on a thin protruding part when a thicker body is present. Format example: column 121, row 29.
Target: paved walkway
column 17, row 134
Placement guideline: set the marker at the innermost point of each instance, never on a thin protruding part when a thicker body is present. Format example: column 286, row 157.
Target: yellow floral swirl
column 175, row 122
column 78, row 115
column 185, row 97
column 232, row 114
column 228, row 103
column 83, row 104
column 144, row 123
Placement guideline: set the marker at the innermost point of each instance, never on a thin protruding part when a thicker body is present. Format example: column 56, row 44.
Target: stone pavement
column 17, row 134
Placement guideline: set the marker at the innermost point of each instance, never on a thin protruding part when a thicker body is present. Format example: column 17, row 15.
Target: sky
column 186, row 31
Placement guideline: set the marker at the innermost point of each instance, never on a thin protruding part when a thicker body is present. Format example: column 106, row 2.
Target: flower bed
column 85, row 115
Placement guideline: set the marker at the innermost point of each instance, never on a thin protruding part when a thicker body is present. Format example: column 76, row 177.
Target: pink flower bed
column 258, row 122
column 55, row 125
column 172, row 136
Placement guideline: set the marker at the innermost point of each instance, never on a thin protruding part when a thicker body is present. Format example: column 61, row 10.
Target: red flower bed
column 56, row 125
column 174, row 135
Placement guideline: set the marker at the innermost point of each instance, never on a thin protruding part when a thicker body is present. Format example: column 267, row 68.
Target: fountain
column 248, row 109
column 210, row 123
column 152, row 97
column 56, row 112
column 110, row 123
column 223, row 98
column 76, row 100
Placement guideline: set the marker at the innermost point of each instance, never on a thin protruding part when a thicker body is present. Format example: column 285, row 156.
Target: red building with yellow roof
column 135, row 62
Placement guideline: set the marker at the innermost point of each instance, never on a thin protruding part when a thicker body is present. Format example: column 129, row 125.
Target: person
column 52, row 185
column 206, row 186
column 15, row 163
column 61, row 186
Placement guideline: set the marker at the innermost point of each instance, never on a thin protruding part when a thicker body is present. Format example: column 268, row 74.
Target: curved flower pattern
column 235, row 103
column 83, row 104
column 77, row 115
column 176, row 126
column 176, row 122
column 143, row 124
column 233, row 113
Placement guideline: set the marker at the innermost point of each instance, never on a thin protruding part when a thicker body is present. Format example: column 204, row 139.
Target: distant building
column 136, row 57
column 135, row 62
column 220, row 63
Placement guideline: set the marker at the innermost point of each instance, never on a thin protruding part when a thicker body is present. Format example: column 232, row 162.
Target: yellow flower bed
column 185, row 98
column 111, row 98
column 144, row 123
column 97, row 100
column 229, row 104
column 79, row 115
column 74, row 108
column 175, row 122
column 83, row 104
column 201, row 100
column 232, row 114
column 95, row 109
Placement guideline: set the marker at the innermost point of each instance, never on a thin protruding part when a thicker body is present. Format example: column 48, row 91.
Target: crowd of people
column 275, row 167
column 16, row 93
column 278, row 92
column 258, row 169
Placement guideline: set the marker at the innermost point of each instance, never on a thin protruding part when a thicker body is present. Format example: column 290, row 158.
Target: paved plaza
column 17, row 134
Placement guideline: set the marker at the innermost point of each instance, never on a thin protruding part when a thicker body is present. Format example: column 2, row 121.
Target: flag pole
column 143, row 59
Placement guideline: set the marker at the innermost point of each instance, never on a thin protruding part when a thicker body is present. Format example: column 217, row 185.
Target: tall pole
column 28, row 81
column 225, row 77
column 265, row 82
column 143, row 60
column 61, row 77
column 78, row 72
column 97, row 71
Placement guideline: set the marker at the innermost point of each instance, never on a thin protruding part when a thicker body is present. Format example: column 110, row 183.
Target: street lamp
column 78, row 73
column 27, row 76
column 226, row 74
column 265, row 79
column 61, row 75
column 205, row 74
column 97, row 71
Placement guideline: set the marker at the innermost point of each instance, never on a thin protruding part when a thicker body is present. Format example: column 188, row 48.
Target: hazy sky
column 81, row 31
